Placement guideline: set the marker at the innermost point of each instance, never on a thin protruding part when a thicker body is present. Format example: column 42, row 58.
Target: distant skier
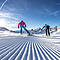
column 47, row 29
column 22, row 24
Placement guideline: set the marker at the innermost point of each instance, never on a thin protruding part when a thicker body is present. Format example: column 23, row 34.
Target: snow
column 7, row 33
column 14, row 46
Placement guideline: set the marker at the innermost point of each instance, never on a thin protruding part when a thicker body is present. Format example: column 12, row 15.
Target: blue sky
column 35, row 13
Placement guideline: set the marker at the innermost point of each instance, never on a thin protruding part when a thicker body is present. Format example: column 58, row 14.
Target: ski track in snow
column 27, row 48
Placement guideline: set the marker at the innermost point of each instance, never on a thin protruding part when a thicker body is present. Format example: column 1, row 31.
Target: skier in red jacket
column 22, row 24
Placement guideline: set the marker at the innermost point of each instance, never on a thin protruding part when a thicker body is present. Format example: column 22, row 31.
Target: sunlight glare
column 2, row 23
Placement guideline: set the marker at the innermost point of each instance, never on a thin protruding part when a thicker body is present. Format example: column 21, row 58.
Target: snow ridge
column 27, row 48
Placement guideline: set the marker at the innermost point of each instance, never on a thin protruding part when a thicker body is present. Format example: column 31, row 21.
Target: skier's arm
column 18, row 25
column 43, row 27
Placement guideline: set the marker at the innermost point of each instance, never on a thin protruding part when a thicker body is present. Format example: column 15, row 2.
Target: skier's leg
column 21, row 29
column 26, row 30
column 46, row 32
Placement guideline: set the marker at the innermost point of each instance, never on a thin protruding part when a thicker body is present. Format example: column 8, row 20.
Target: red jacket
column 21, row 23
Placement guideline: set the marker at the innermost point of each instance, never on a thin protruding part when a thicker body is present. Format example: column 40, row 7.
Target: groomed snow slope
column 29, row 48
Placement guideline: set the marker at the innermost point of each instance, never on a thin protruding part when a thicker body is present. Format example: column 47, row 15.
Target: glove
column 25, row 25
column 41, row 30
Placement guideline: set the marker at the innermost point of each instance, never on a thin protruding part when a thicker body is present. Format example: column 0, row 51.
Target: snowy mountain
column 36, row 31
column 3, row 29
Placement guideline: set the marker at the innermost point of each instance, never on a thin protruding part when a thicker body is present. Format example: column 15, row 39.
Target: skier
column 47, row 29
column 22, row 24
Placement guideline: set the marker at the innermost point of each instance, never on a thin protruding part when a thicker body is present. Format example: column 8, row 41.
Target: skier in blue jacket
column 47, row 28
